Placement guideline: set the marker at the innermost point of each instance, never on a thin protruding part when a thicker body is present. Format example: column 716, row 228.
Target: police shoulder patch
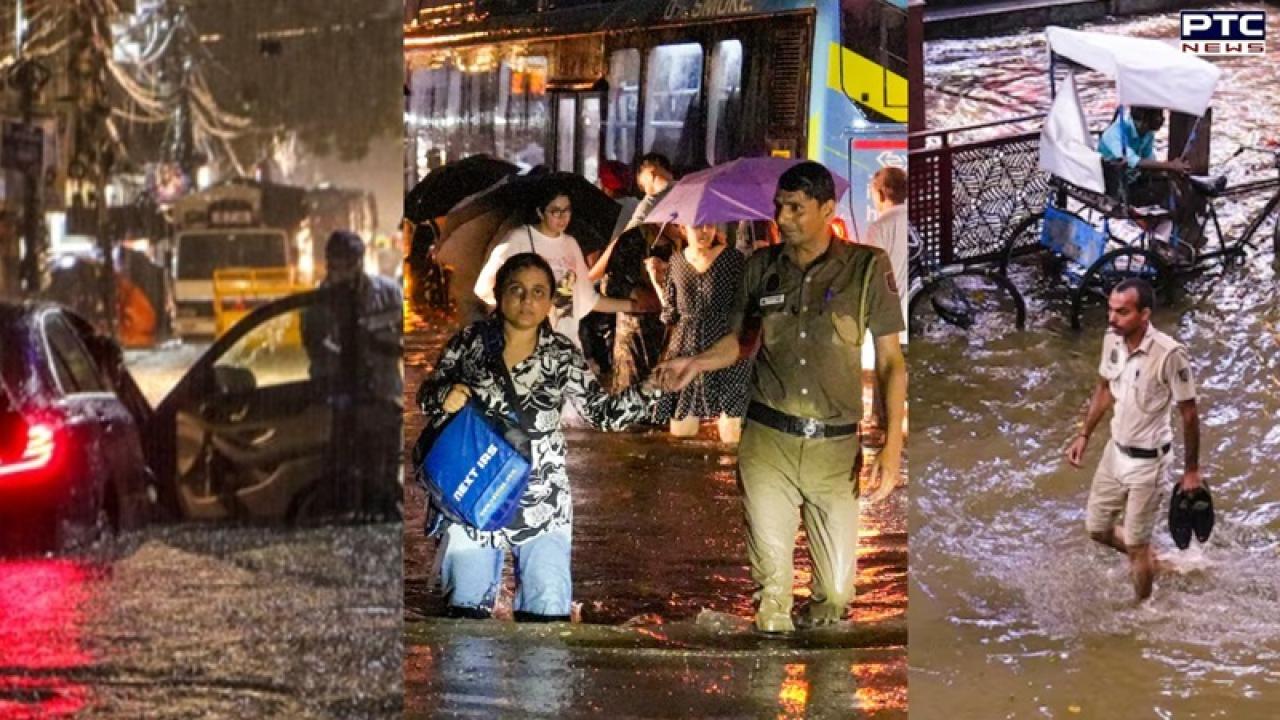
column 1184, row 375
column 891, row 282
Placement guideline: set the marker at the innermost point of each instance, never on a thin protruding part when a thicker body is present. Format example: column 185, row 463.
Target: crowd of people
column 762, row 338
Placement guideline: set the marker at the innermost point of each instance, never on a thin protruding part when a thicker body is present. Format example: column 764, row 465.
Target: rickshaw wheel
column 960, row 297
column 1110, row 270
column 1017, row 238
column 1027, row 234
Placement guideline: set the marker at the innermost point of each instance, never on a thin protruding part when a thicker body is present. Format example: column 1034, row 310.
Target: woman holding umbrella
column 545, row 235
column 696, row 297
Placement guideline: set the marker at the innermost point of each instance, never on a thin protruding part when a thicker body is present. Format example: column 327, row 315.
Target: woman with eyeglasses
column 545, row 234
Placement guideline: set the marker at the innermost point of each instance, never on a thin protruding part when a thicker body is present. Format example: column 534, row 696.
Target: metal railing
column 964, row 196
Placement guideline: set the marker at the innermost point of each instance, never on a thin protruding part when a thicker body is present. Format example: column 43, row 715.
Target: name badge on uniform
column 771, row 300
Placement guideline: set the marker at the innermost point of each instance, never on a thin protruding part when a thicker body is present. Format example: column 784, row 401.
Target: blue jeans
column 472, row 575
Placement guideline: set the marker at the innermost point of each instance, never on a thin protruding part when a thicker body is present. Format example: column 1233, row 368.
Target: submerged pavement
column 204, row 622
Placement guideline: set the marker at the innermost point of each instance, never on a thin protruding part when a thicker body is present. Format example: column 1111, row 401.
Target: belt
column 1143, row 453
column 798, row 426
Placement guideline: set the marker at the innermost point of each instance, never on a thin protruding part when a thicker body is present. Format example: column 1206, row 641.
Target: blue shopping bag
column 1072, row 237
column 474, row 475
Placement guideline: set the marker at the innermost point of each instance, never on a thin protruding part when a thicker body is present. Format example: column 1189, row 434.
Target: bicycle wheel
column 965, row 298
column 1025, row 234
column 1109, row 270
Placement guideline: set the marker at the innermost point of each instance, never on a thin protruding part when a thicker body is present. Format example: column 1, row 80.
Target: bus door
column 576, row 122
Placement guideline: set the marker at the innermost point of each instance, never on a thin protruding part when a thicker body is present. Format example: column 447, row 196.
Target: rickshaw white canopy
column 1147, row 72
column 1067, row 149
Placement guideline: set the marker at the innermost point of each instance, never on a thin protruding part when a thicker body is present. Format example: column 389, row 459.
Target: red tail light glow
column 839, row 229
column 41, row 444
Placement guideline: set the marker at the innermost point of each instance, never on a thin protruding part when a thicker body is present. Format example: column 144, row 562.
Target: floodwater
column 661, row 577
column 198, row 622
column 1014, row 612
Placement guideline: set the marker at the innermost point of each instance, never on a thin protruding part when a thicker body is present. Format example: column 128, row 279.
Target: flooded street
column 194, row 622
column 1015, row 613
column 660, row 572
column 158, row 369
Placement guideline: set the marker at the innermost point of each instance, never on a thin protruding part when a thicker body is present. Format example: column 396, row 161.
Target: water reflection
column 1014, row 613
column 41, row 648
column 793, row 698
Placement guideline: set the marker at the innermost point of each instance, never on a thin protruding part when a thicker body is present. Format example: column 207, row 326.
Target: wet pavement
column 197, row 622
column 1014, row 612
column 158, row 369
column 664, row 593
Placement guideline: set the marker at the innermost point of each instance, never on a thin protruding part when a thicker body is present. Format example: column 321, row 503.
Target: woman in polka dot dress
column 697, row 295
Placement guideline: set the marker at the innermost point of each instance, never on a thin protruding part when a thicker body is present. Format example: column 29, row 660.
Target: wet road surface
column 197, row 622
column 1014, row 612
column 158, row 369
column 660, row 573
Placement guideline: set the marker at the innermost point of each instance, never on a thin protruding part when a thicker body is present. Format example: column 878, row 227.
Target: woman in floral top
column 545, row 367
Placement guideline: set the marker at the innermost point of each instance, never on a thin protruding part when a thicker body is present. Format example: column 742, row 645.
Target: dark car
column 71, row 460
column 253, row 432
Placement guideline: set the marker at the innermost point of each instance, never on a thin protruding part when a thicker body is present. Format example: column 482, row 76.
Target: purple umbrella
column 738, row 190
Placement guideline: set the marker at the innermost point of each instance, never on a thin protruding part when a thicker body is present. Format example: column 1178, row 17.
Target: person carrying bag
column 512, row 371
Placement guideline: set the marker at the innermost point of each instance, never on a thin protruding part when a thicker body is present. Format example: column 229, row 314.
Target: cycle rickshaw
column 1092, row 234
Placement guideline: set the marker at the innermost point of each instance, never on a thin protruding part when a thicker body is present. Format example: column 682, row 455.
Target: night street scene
column 200, row 359
column 1015, row 610
column 591, row 188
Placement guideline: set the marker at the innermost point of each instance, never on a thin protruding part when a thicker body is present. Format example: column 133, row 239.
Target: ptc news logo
column 1224, row 32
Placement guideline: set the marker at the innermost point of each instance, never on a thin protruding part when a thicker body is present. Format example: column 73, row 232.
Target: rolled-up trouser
column 471, row 574
column 783, row 479
column 1128, row 486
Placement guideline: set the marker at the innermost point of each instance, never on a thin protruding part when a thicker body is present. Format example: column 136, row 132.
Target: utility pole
column 179, row 145
column 94, row 153
column 28, row 77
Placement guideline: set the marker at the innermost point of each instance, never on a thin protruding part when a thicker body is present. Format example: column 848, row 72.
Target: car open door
column 248, row 433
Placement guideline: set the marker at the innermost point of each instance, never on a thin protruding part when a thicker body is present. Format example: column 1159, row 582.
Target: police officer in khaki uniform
column 1143, row 373
column 807, row 304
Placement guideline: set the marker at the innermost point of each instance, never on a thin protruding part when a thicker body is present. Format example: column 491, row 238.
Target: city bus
column 571, row 83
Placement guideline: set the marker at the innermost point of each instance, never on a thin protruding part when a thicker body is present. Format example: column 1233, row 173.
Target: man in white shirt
column 1144, row 374
column 889, row 231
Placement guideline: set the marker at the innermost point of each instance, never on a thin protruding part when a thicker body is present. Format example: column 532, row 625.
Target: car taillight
column 41, row 446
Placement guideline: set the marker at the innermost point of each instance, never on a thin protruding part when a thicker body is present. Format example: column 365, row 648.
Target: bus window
column 724, row 101
column 528, row 113
column 590, row 137
column 624, row 101
column 876, row 30
column 566, row 123
column 671, row 97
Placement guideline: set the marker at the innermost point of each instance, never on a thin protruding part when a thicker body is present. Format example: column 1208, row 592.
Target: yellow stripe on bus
column 867, row 82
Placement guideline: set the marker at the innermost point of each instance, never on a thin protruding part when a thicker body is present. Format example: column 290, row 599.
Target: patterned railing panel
column 995, row 184
column 964, row 198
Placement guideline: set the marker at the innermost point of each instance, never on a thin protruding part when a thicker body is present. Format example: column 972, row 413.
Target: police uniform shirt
column 1145, row 383
column 812, row 323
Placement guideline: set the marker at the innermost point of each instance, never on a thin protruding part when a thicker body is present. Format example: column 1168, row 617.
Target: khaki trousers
column 785, row 478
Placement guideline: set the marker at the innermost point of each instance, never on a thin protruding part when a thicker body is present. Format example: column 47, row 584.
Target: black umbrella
column 448, row 185
column 594, row 213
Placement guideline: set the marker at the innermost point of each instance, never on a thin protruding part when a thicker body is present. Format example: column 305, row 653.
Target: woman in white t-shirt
column 575, row 294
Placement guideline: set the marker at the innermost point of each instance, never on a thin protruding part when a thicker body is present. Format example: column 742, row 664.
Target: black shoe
column 530, row 617
column 469, row 613
column 1202, row 513
column 1181, row 519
